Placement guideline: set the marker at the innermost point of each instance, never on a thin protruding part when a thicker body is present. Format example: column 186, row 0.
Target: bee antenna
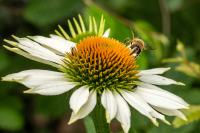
column 148, row 47
column 132, row 33
column 131, row 29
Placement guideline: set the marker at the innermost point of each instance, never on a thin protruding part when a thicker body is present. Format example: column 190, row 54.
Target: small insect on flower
column 137, row 46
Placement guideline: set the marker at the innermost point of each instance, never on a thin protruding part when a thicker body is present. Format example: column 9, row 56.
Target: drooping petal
column 108, row 102
column 158, row 80
column 85, row 109
column 106, row 33
column 139, row 104
column 153, row 71
column 160, row 98
column 123, row 112
column 155, row 114
column 164, row 93
column 79, row 98
column 42, row 82
column 57, row 43
column 36, row 50
column 170, row 112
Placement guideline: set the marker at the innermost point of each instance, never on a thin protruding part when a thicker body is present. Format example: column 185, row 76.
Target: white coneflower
column 94, row 65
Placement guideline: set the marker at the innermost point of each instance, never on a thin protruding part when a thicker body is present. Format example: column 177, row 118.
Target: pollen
column 101, row 63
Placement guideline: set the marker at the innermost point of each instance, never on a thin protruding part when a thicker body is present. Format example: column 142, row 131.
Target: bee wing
column 148, row 47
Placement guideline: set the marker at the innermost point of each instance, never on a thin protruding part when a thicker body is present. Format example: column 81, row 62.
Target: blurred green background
column 160, row 23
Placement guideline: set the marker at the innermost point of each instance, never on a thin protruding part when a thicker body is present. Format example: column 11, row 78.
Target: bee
column 136, row 46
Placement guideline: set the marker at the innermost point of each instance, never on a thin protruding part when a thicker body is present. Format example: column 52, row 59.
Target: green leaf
column 11, row 101
column 10, row 119
column 4, row 60
column 138, row 121
column 45, row 12
column 174, row 5
column 189, row 68
column 192, row 114
column 181, row 48
column 52, row 107
column 173, row 60
column 163, row 128
column 191, row 95
column 110, row 22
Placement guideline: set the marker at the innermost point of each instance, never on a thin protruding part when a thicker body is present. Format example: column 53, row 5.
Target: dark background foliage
column 159, row 22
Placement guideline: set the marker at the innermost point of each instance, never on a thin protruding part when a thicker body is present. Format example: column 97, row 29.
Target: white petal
column 171, row 112
column 42, row 82
column 34, row 77
column 158, row 80
column 155, row 114
column 38, row 51
column 31, row 57
column 79, row 98
column 160, row 98
column 164, row 93
column 139, row 104
column 108, row 102
column 153, row 71
column 85, row 109
column 55, row 42
column 123, row 112
column 53, row 88
column 106, row 33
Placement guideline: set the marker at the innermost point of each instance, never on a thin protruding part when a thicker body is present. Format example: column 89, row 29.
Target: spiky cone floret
column 95, row 66
column 101, row 63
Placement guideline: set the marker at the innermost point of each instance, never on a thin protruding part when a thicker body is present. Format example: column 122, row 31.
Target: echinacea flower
column 94, row 65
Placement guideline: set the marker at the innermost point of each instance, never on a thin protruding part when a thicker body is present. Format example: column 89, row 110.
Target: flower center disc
column 101, row 63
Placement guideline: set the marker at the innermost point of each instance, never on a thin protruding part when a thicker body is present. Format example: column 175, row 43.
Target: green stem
column 89, row 125
column 99, row 119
